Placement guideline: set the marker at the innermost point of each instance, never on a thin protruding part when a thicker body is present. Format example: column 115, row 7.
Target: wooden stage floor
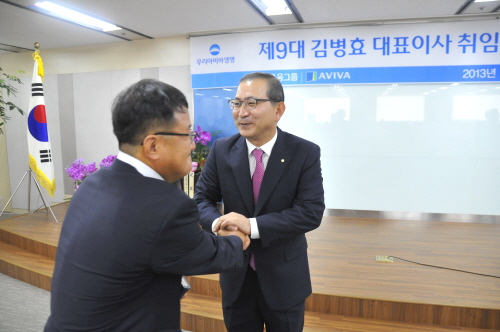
column 342, row 258
column 342, row 261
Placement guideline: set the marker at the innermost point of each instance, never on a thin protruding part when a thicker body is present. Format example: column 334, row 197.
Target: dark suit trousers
column 250, row 312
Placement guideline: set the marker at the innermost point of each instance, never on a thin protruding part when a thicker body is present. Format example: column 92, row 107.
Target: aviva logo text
column 312, row 76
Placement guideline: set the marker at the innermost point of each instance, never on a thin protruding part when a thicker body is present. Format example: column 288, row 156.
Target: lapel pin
column 282, row 160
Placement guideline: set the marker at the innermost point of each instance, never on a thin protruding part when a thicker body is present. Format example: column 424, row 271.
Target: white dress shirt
column 267, row 148
column 141, row 167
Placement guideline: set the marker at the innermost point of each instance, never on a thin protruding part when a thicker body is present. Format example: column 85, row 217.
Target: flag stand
column 32, row 176
column 38, row 138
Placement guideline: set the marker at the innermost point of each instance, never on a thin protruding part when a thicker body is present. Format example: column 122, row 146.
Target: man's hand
column 233, row 221
column 244, row 238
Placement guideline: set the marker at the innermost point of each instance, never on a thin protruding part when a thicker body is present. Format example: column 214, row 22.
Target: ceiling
column 21, row 27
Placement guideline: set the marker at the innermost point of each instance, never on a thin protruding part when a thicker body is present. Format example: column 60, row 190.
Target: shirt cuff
column 254, row 229
column 213, row 225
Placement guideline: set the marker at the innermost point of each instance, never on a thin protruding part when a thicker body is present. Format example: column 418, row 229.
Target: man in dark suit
column 129, row 233
column 272, row 287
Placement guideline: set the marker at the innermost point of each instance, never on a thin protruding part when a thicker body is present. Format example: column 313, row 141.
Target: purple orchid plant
column 200, row 153
column 203, row 137
column 107, row 161
column 78, row 171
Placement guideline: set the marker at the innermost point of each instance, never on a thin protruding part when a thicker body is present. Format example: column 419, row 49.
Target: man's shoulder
column 228, row 141
column 299, row 142
column 126, row 176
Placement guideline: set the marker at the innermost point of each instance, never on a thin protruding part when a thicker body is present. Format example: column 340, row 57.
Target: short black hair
column 143, row 106
column 274, row 87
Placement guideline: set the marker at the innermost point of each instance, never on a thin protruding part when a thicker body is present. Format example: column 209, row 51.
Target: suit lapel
column 278, row 161
column 238, row 158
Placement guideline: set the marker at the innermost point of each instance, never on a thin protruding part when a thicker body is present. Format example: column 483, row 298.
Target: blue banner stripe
column 423, row 74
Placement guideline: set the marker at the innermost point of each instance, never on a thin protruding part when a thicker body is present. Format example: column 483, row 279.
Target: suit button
column 237, row 265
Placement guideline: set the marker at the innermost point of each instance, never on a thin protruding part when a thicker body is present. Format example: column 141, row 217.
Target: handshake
column 234, row 224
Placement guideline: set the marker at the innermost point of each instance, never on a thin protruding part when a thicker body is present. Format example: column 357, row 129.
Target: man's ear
column 150, row 147
column 280, row 110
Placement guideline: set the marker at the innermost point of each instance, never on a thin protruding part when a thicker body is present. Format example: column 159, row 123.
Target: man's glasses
column 249, row 103
column 191, row 135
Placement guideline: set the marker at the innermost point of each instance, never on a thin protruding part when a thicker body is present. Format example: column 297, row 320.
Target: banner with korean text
column 466, row 51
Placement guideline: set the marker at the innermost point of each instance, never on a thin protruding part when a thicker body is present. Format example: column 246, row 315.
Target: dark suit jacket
column 124, row 245
column 291, row 203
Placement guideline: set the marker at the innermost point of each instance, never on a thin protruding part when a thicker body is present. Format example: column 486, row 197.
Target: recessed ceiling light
column 73, row 16
column 273, row 7
column 484, row 0
column 277, row 11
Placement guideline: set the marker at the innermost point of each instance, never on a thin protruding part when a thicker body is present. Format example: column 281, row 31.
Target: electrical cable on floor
column 446, row 268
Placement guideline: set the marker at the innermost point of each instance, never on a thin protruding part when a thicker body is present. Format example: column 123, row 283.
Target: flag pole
column 39, row 150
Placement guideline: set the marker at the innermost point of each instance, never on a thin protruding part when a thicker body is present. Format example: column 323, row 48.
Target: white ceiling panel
column 22, row 28
column 168, row 18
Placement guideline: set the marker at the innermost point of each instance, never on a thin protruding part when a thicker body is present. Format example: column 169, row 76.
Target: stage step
column 204, row 313
column 32, row 239
column 350, row 308
column 26, row 266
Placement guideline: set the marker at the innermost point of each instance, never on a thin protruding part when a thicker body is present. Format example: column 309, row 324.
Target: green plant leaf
column 7, row 87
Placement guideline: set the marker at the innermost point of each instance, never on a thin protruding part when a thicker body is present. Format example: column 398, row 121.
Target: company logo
column 311, row 76
column 215, row 58
column 215, row 49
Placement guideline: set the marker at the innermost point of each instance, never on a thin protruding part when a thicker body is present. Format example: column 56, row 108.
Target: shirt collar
column 141, row 167
column 267, row 148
